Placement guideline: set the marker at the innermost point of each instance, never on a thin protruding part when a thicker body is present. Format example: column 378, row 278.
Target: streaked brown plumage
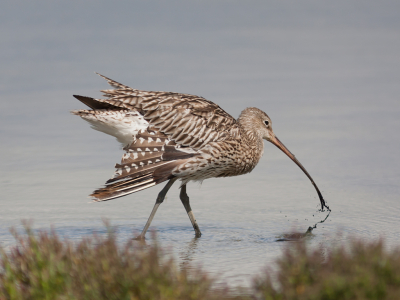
column 170, row 136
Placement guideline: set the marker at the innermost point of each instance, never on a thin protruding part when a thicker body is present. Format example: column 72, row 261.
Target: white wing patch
column 124, row 125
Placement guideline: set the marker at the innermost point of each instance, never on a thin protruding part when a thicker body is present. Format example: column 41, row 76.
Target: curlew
column 169, row 136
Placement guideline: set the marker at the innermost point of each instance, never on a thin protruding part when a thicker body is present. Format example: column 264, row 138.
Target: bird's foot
column 139, row 238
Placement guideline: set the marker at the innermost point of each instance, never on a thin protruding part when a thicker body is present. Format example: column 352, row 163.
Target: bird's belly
column 204, row 167
column 200, row 168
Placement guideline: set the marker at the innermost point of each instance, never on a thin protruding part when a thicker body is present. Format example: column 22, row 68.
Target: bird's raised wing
column 186, row 119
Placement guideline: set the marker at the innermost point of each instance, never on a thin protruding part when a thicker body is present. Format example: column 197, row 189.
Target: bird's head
column 258, row 124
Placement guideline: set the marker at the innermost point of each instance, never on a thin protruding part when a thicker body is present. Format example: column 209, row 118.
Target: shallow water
column 329, row 83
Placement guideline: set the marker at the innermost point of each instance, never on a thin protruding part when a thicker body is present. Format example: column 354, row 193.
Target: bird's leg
column 160, row 199
column 185, row 201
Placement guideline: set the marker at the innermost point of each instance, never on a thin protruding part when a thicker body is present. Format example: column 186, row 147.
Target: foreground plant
column 41, row 266
column 357, row 270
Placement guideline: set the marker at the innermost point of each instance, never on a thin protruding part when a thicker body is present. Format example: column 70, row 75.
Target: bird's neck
column 252, row 147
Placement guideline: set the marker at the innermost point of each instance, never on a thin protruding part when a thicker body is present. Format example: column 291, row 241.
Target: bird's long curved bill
column 281, row 146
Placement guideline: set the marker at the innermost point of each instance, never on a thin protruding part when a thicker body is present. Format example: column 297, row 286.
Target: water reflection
column 188, row 254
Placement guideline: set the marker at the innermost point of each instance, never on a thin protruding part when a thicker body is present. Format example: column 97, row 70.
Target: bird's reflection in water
column 188, row 253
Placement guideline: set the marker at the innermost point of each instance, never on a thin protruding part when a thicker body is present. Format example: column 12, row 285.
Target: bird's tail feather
column 129, row 185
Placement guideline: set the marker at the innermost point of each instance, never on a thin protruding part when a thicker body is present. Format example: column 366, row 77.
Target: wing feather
column 174, row 112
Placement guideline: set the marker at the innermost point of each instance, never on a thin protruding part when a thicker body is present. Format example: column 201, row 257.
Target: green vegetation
column 42, row 266
column 357, row 270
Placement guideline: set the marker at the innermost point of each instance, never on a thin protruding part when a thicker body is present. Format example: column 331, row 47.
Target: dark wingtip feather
column 94, row 103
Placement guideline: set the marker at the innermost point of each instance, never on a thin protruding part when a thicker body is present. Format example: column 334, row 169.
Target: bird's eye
column 266, row 123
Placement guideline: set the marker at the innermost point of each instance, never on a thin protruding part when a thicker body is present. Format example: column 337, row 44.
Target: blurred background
column 326, row 72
